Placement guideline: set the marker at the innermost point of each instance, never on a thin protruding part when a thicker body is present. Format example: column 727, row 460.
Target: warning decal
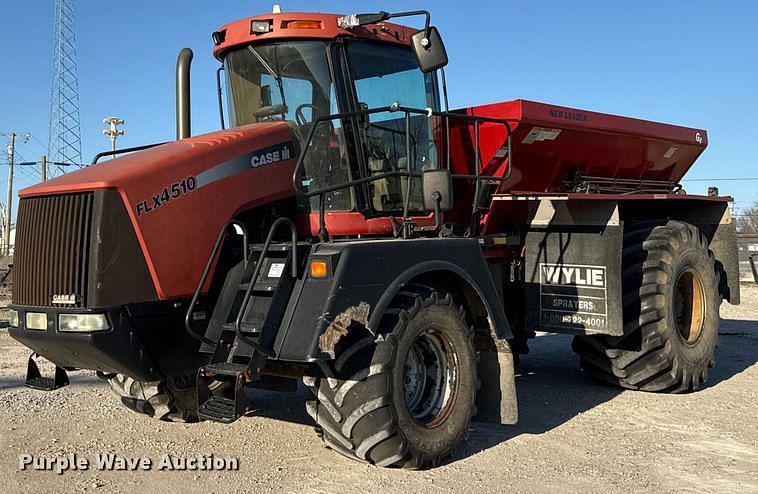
column 573, row 296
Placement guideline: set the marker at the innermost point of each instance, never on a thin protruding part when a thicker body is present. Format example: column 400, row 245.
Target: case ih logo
column 590, row 276
column 64, row 299
column 273, row 154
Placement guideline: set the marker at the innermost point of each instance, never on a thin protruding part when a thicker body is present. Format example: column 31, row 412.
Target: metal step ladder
column 242, row 329
column 35, row 380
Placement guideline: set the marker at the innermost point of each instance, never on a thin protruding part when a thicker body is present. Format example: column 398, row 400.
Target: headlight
column 82, row 323
column 36, row 320
column 13, row 318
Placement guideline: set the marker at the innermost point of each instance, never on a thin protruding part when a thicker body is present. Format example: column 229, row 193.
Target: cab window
column 382, row 75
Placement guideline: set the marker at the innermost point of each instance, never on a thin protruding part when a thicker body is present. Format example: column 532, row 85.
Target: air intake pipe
column 183, row 64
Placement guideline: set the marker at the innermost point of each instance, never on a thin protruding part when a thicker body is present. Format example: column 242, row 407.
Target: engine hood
column 192, row 155
column 179, row 195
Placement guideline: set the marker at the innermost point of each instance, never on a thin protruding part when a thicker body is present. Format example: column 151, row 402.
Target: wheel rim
column 689, row 306
column 429, row 378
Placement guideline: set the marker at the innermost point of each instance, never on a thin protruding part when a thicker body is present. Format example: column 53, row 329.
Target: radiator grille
column 50, row 257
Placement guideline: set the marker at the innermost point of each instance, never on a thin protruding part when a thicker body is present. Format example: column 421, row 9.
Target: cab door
column 379, row 75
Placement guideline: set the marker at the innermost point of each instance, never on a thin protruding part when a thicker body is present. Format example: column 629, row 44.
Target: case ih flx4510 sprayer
column 395, row 256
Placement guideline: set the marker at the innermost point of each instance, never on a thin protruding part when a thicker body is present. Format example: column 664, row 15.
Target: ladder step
column 41, row 383
column 226, row 368
column 246, row 328
column 261, row 289
column 35, row 380
column 218, row 409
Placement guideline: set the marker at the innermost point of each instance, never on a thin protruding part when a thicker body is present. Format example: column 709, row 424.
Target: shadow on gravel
column 738, row 350
column 289, row 407
column 10, row 383
column 76, row 380
column 551, row 390
column 551, row 387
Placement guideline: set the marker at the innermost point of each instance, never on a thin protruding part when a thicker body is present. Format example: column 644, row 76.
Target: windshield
column 291, row 81
column 280, row 81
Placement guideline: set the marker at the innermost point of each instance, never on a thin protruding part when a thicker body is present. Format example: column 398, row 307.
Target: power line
column 24, row 174
column 37, row 163
column 35, row 150
column 44, row 146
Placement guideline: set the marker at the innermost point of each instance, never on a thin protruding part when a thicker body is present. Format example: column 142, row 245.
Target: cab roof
column 290, row 25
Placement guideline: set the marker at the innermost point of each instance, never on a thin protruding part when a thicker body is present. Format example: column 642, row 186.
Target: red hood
column 175, row 214
column 159, row 164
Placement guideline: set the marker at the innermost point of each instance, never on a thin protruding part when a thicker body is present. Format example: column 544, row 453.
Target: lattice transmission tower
column 64, row 138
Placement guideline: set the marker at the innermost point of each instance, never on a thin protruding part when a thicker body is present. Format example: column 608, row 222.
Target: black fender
column 486, row 291
column 364, row 277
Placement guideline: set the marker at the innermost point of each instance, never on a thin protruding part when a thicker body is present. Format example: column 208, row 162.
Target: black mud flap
column 34, row 379
column 573, row 268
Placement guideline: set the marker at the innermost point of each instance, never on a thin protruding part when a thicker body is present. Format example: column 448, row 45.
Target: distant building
column 748, row 244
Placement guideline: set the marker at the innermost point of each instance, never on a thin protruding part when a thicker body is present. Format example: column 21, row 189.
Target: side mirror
column 430, row 52
column 437, row 189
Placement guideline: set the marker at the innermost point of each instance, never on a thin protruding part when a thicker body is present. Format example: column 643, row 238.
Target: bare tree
column 747, row 222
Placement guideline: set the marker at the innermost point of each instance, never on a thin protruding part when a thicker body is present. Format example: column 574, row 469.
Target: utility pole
column 113, row 131
column 43, row 171
column 9, row 204
column 2, row 214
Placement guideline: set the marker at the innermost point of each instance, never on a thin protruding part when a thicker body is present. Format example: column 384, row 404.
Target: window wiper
column 273, row 74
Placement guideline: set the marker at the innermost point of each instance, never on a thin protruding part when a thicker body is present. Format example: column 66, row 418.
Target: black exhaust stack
column 183, row 63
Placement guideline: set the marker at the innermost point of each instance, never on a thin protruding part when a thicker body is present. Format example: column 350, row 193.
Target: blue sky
column 693, row 63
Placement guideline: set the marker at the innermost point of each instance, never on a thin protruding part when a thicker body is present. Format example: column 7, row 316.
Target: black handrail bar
column 297, row 183
column 246, row 299
column 393, row 108
column 124, row 150
column 219, row 240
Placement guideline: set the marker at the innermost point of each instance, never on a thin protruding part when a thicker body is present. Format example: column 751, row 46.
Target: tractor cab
column 338, row 83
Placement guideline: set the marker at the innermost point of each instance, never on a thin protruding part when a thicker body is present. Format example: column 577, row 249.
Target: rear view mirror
column 437, row 188
column 430, row 51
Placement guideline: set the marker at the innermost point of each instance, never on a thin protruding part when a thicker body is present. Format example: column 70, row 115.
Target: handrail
column 392, row 109
column 246, row 299
column 477, row 120
column 124, row 150
column 219, row 240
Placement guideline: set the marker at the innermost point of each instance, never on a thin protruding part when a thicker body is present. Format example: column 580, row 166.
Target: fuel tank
column 177, row 196
column 551, row 143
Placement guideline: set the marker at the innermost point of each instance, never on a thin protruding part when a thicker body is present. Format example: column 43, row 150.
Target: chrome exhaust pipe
column 183, row 63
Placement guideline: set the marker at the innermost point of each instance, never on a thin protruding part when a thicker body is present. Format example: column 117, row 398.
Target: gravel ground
column 574, row 435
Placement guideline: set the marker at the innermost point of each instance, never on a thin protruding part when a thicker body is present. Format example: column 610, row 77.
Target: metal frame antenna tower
column 64, row 138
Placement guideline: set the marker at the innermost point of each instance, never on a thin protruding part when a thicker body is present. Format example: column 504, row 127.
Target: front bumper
column 116, row 350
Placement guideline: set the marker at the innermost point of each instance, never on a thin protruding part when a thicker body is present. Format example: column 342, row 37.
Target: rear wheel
column 671, row 313
column 405, row 397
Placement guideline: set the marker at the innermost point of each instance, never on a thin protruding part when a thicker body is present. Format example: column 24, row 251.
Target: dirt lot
column 574, row 435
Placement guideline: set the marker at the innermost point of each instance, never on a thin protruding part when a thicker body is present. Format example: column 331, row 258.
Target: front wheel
column 405, row 397
column 172, row 399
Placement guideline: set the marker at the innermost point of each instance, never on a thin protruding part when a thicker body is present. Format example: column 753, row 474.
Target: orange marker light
column 318, row 269
column 302, row 24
